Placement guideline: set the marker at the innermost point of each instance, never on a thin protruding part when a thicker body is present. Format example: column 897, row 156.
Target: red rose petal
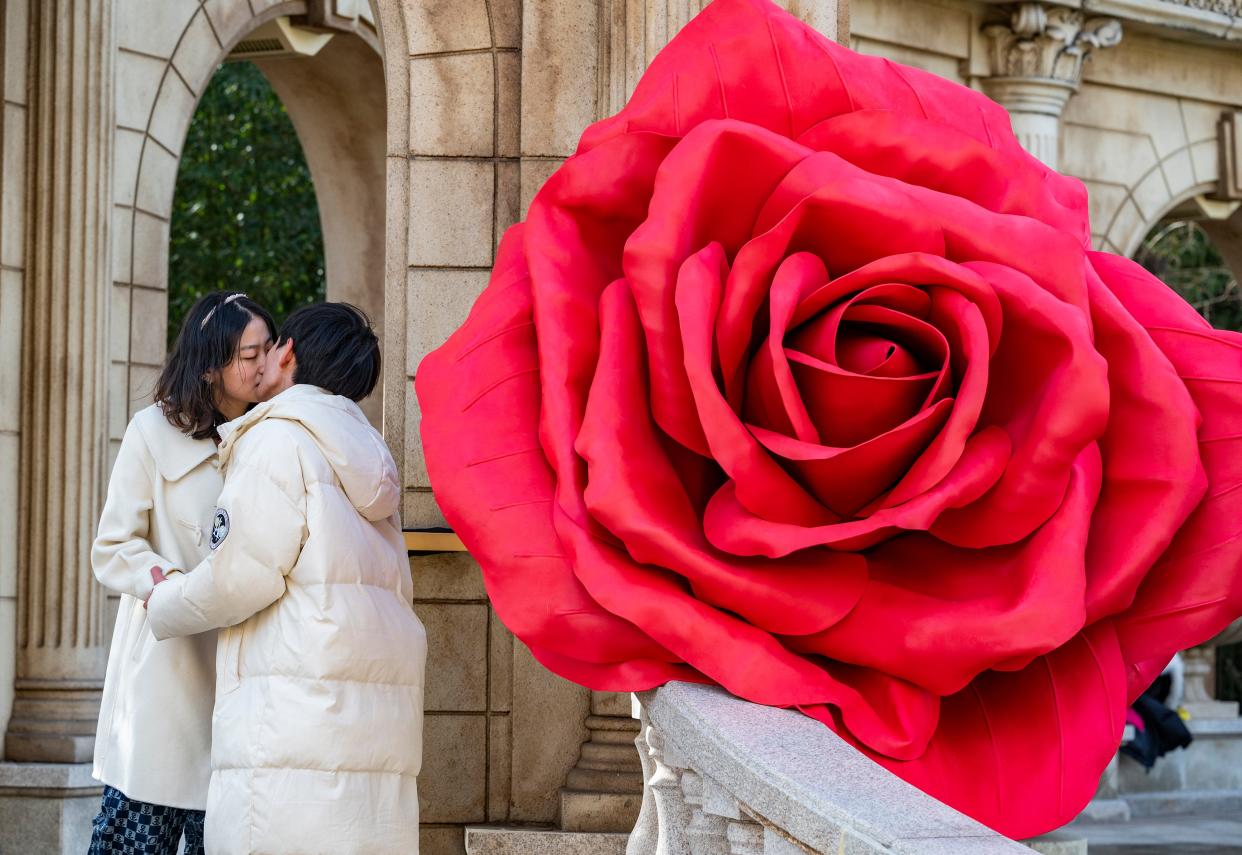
column 732, row 527
column 848, row 409
column 1191, row 593
column 771, row 396
column 846, row 217
column 932, row 154
column 846, row 479
column 710, row 188
column 1153, row 474
column 484, row 433
column 646, row 507
column 762, row 485
column 1052, row 407
column 948, row 613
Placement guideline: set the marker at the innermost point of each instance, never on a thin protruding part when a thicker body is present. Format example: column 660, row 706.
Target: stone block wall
column 501, row 733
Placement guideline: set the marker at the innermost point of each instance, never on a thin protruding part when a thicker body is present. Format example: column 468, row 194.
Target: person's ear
column 286, row 357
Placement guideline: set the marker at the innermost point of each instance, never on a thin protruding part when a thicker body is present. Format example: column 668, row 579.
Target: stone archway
column 166, row 54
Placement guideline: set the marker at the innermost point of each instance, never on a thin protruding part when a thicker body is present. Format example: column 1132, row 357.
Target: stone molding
column 1184, row 20
column 726, row 776
column 341, row 16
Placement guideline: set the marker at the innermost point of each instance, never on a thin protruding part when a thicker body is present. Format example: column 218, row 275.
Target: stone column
column 1200, row 678
column 61, row 635
column 1036, row 60
column 604, row 790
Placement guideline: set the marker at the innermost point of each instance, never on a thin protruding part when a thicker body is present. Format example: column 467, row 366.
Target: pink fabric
column 800, row 378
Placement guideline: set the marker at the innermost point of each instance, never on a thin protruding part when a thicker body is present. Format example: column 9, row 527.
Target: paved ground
column 1194, row 834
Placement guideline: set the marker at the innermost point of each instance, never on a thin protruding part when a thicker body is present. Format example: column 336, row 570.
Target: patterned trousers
column 127, row 827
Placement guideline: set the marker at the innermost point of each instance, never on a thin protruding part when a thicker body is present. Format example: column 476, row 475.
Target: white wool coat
column 317, row 731
column 154, row 736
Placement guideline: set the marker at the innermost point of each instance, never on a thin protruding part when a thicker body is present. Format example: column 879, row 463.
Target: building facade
column 428, row 125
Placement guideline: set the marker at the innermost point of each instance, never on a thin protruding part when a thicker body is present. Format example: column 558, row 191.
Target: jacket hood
column 354, row 449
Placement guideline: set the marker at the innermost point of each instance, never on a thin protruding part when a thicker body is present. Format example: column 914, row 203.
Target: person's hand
column 157, row 576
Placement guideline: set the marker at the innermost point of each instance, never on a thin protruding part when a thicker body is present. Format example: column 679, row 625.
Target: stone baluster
column 706, row 831
column 662, row 822
column 743, row 836
column 1036, row 62
column 61, row 635
column 646, row 831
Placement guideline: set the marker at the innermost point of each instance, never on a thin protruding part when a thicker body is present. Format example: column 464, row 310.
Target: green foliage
column 244, row 215
column 1181, row 253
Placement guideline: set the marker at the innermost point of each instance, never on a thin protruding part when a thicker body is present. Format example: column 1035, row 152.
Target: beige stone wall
column 1140, row 133
column 13, row 59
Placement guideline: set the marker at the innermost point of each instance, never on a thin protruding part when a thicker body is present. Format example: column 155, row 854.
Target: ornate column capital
column 1036, row 60
column 1050, row 43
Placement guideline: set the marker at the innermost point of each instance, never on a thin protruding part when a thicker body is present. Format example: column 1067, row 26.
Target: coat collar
column 174, row 452
column 229, row 431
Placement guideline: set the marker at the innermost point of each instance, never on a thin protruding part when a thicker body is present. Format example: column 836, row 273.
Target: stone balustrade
column 725, row 776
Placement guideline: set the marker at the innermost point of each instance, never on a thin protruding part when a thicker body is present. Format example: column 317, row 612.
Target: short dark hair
column 208, row 341
column 335, row 347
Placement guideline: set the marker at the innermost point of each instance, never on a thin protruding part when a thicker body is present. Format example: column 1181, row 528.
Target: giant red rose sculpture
column 800, row 378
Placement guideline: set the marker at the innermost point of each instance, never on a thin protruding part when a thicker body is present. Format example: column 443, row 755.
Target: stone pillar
column 61, row 635
column 1036, row 60
column 604, row 790
column 1200, row 678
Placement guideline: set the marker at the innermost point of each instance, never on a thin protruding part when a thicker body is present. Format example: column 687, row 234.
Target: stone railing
column 730, row 777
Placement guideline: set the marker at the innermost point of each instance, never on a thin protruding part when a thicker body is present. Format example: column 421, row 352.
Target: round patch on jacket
column 219, row 527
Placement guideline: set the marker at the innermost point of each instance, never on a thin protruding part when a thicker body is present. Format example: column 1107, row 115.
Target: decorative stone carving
column 61, row 634
column 1048, row 42
column 1036, row 60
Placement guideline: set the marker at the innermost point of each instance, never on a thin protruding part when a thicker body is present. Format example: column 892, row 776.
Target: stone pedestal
column 61, row 634
column 604, row 790
column 1199, row 703
column 47, row 808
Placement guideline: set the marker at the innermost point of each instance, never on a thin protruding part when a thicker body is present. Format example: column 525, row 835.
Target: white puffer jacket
column 317, row 732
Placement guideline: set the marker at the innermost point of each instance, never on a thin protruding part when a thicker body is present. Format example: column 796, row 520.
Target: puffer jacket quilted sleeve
column 256, row 537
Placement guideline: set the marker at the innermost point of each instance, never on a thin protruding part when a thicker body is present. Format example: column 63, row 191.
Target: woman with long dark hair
column 152, row 750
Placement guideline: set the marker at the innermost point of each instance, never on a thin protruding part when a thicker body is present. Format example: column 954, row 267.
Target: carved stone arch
column 1133, row 237
column 1179, row 176
column 167, row 53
